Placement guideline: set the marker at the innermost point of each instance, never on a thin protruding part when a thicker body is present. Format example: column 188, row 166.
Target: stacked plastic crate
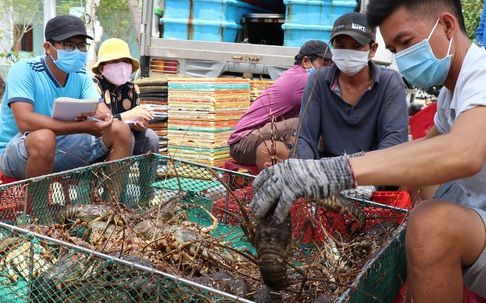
column 205, row 20
column 313, row 19
column 257, row 87
column 153, row 95
column 202, row 115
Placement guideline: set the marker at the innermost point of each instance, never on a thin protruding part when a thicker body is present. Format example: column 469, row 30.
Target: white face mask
column 117, row 73
column 350, row 61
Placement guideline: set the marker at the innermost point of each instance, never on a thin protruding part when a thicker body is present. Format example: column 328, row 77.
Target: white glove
column 360, row 192
column 283, row 183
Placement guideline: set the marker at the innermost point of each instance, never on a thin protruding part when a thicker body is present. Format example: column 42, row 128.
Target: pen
column 94, row 119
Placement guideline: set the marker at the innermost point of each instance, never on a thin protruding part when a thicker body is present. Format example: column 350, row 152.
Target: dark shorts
column 144, row 142
column 244, row 151
column 475, row 275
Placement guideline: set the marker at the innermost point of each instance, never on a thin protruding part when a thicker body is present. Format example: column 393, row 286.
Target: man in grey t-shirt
column 354, row 105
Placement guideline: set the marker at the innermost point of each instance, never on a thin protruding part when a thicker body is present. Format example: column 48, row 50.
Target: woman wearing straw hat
column 112, row 74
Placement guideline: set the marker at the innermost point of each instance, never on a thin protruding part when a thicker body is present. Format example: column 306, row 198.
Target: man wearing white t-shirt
column 445, row 240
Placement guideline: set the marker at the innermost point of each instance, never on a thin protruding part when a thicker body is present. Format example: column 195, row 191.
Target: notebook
column 67, row 109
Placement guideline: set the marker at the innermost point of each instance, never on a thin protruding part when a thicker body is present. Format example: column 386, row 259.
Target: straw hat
column 113, row 49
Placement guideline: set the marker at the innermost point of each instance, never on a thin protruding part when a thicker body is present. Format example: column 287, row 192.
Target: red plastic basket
column 11, row 200
column 400, row 198
column 311, row 224
column 226, row 210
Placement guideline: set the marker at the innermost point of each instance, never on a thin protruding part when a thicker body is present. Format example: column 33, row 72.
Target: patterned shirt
column 118, row 98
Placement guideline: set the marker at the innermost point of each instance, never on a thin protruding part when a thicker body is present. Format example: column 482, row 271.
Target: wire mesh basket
column 37, row 268
column 155, row 229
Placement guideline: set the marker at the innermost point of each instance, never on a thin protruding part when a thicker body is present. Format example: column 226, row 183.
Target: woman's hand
column 140, row 125
column 137, row 114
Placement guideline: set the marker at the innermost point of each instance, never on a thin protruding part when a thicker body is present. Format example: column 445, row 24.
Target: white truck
column 213, row 59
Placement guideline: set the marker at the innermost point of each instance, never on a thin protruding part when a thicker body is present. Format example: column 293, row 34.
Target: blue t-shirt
column 31, row 81
column 379, row 119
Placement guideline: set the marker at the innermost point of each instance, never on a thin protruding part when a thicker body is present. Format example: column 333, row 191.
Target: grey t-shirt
column 379, row 120
column 469, row 92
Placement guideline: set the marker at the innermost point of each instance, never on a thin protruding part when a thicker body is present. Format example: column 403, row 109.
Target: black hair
column 378, row 10
column 312, row 58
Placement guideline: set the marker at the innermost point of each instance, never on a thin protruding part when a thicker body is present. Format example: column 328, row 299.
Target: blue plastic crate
column 214, row 10
column 275, row 6
column 202, row 30
column 341, row 7
column 297, row 34
column 317, row 12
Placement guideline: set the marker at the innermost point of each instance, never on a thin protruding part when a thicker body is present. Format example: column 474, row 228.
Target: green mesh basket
column 382, row 277
column 37, row 268
column 50, row 270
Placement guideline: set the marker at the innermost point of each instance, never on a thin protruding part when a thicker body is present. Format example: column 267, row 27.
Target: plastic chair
column 231, row 164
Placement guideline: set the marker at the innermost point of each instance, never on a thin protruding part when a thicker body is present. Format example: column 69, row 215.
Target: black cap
column 316, row 48
column 355, row 26
column 61, row 28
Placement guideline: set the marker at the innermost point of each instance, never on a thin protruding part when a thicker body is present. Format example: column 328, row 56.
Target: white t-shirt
column 470, row 92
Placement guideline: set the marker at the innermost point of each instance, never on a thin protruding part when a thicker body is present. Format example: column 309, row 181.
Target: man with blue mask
column 446, row 237
column 354, row 105
column 31, row 142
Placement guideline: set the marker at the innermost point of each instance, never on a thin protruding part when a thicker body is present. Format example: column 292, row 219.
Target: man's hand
column 97, row 128
column 283, row 183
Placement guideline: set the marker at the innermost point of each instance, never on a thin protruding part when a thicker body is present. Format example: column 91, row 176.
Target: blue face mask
column 70, row 62
column 419, row 65
column 310, row 70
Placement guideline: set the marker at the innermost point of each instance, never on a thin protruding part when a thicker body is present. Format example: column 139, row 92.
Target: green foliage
column 472, row 10
column 63, row 6
column 22, row 11
column 114, row 16
column 19, row 17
